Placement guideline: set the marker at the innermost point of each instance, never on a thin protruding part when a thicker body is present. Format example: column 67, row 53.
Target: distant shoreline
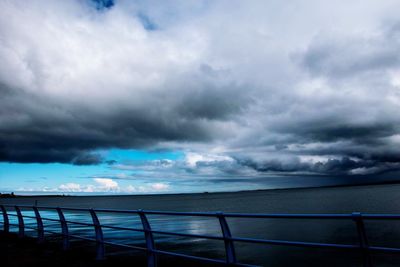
column 10, row 196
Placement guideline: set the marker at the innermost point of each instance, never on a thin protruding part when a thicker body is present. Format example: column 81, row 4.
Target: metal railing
column 151, row 251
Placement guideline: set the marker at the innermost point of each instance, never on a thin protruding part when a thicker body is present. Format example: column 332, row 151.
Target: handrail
column 21, row 224
column 64, row 228
column 99, row 235
column 39, row 223
column 226, row 236
column 227, row 214
column 150, row 244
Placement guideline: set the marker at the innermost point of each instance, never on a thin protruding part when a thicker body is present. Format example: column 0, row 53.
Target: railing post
column 21, row 226
column 362, row 237
column 64, row 229
column 151, row 257
column 226, row 233
column 39, row 223
column 6, row 223
column 99, row 236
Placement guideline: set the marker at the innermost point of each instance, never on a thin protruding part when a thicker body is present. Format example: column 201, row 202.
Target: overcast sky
column 191, row 96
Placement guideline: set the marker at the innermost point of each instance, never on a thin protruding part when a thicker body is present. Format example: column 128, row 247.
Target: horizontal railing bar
column 25, row 216
column 51, row 219
column 207, row 214
column 150, row 212
column 294, row 243
column 117, row 211
column 164, row 232
column 74, row 236
column 46, row 207
column 88, row 239
column 211, row 214
column 188, row 235
column 162, row 252
column 82, row 237
column 79, row 223
column 52, row 232
column 70, row 235
column 124, row 245
column 33, row 217
column 29, row 227
column 121, row 228
column 384, row 249
column 69, row 209
column 251, row 215
column 240, row 215
column 20, row 206
column 289, row 216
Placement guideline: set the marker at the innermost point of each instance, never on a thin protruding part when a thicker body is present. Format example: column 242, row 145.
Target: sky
column 137, row 97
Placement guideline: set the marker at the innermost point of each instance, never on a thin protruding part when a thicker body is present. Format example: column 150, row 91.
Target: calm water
column 368, row 199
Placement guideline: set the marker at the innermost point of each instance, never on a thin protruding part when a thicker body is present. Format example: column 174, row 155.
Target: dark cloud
column 329, row 131
column 39, row 129
column 111, row 162
column 355, row 55
column 87, row 159
column 103, row 4
column 249, row 100
column 274, row 165
column 332, row 167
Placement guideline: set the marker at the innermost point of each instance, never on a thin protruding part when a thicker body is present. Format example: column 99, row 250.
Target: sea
column 376, row 199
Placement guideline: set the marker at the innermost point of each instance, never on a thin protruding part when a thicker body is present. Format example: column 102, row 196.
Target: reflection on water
column 371, row 199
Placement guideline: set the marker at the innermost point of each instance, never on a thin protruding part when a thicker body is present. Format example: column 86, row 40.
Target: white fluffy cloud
column 70, row 187
column 104, row 185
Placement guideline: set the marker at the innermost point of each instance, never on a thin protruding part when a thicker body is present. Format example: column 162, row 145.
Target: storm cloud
column 259, row 87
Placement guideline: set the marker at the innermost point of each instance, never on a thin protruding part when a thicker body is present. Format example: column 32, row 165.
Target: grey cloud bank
column 257, row 87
